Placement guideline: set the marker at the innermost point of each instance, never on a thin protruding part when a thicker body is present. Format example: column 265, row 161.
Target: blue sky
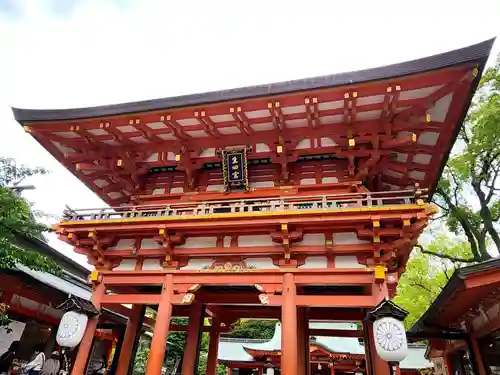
column 73, row 53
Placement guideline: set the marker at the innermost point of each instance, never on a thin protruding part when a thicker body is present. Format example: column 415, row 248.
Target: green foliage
column 16, row 220
column 253, row 329
column 141, row 358
column 468, row 192
column 425, row 276
column 258, row 329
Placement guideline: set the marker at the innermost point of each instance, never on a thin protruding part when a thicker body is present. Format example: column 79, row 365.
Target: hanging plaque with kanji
column 234, row 167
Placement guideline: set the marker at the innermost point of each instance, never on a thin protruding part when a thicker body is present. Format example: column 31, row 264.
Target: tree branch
column 463, row 132
column 492, row 187
column 448, row 257
column 422, row 287
column 471, row 233
column 439, row 217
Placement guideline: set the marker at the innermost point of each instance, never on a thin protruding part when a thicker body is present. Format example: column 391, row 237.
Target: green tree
column 426, row 275
column 468, row 192
column 17, row 220
column 253, row 329
column 141, row 357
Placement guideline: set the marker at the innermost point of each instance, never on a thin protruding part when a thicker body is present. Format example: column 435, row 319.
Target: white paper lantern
column 390, row 339
column 71, row 329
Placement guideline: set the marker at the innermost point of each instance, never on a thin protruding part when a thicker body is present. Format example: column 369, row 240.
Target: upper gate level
column 389, row 127
column 334, row 166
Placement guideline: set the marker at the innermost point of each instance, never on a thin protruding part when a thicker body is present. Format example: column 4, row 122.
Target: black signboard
column 234, row 166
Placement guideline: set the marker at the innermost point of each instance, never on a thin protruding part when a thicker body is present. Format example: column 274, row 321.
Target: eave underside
column 470, row 294
column 385, row 123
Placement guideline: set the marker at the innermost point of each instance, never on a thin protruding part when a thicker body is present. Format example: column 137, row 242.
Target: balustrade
column 250, row 205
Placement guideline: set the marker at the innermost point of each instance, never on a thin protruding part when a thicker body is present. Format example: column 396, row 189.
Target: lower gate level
column 226, row 294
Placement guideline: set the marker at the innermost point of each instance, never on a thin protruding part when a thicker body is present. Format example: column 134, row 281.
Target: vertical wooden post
column 332, row 369
column 260, row 370
column 375, row 364
column 191, row 352
column 476, row 356
column 127, row 345
column 88, row 337
column 289, row 344
column 213, row 347
column 162, row 326
column 302, row 340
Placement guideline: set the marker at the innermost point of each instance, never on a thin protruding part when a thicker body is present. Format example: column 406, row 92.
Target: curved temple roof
column 236, row 351
column 477, row 52
column 392, row 125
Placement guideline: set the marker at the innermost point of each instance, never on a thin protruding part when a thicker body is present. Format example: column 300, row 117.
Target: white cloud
column 103, row 52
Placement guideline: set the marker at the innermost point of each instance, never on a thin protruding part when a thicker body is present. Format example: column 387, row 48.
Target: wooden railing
column 279, row 204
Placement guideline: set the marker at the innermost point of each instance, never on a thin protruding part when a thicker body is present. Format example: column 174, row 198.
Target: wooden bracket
column 286, row 238
column 168, row 243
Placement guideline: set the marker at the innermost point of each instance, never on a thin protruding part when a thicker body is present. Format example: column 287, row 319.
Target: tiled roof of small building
column 233, row 349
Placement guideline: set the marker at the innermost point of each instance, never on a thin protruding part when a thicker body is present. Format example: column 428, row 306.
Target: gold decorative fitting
column 161, row 231
column 315, row 100
column 194, row 288
column 376, row 223
column 277, row 104
column 138, row 121
column 169, row 117
column 94, row 276
column 177, row 157
column 162, row 118
column 269, row 105
column 70, row 236
column 355, row 94
column 3, row 309
column 346, row 95
column 91, row 234
column 279, row 149
column 420, row 202
column 238, row 109
column 258, row 287
column 389, row 89
column 131, row 122
column 119, row 162
column 406, row 223
column 27, row 129
column 413, row 137
column 196, row 114
column 328, row 242
column 264, row 299
column 475, row 72
column 398, row 88
column 284, row 227
column 352, row 142
column 231, row 110
column 188, row 299
column 227, row 267
column 202, row 113
column 428, row 117
column 379, row 272
column 376, row 238
column 307, row 101
column 101, row 125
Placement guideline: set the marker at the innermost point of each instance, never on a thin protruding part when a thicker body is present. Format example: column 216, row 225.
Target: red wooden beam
column 140, row 299
column 336, row 301
column 34, row 314
column 482, row 280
